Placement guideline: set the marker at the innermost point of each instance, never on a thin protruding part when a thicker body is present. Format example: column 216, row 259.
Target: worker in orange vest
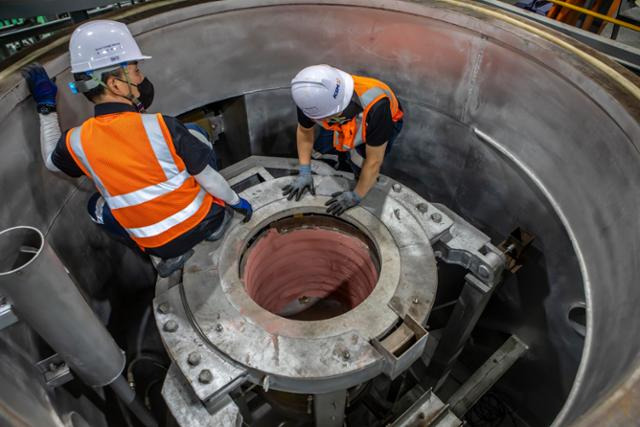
column 157, row 187
column 360, row 118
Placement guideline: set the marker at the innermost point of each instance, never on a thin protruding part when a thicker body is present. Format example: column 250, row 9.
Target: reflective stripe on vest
column 172, row 221
column 139, row 196
column 367, row 98
column 353, row 131
column 174, row 181
column 159, row 146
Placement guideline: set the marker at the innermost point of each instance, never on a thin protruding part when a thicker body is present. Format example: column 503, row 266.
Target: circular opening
column 310, row 267
column 577, row 316
column 18, row 247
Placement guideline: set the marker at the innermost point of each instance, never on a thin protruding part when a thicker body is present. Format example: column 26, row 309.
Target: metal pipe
column 45, row 297
column 596, row 15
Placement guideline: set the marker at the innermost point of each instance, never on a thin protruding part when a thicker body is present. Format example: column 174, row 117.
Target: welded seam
column 476, row 63
column 61, row 208
column 585, row 277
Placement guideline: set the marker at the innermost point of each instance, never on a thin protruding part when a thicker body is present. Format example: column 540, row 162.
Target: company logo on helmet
column 337, row 89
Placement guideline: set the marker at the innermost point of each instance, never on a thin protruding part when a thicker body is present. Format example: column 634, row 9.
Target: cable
column 141, row 331
column 146, row 357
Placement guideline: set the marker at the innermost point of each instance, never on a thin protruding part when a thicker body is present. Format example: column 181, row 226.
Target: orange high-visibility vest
column 133, row 163
column 349, row 135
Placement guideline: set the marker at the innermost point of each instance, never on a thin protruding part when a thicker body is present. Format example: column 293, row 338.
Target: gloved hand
column 341, row 201
column 303, row 181
column 42, row 88
column 244, row 207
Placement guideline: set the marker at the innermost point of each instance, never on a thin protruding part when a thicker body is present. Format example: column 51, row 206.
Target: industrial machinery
column 311, row 307
column 496, row 255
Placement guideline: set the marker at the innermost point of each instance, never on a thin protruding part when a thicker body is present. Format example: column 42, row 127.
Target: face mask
column 146, row 93
column 145, row 87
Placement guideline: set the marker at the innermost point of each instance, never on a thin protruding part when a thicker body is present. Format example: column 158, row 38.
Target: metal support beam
column 487, row 375
column 471, row 303
column 328, row 409
column 427, row 410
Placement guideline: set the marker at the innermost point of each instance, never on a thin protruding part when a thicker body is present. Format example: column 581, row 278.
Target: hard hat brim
column 77, row 68
column 348, row 90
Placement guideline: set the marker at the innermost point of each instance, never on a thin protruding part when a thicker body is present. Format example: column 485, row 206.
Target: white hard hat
column 321, row 91
column 101, row 44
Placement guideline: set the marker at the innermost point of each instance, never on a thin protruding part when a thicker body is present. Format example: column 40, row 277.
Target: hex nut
column 484, row 272
column 436, row 217
column 170, row 326
column 205, row 376
column 194, row 358
column 396, row 187
column 422, row 208
column 163, row 308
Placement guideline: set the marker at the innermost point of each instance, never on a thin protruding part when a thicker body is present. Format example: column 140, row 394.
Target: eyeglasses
column 337, row 120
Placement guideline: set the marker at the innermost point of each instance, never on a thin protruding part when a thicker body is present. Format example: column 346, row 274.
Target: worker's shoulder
column 173, row 124
column 380, row 108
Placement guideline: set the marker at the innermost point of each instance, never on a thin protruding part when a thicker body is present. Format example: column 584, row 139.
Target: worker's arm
column 343, row 200
column 44, row 92
column 370, row 169
column 304, row 142
column 198, row 156
column 216, row 185
column 49, row 136
column 304, row 180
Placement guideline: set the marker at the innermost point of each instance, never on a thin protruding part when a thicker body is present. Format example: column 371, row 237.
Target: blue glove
column 341, row 201
column 244, row 207
column 303, row 182
column 42, row 88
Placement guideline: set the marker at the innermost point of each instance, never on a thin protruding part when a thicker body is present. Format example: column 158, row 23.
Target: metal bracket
column 514, row 247
column 7, row 316
column 55, row 370
column 464, row 245
column 402, row 347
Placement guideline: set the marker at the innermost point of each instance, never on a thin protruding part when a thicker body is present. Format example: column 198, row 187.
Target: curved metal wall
column 564, row 166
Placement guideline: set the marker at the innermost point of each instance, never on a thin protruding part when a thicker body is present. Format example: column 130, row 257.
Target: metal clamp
column 55, row 370
column 7, row 316
column 466, row 246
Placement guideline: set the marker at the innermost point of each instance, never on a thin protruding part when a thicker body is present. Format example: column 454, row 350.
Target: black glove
column 42, row 88
column 302, row 182
column 341, row 201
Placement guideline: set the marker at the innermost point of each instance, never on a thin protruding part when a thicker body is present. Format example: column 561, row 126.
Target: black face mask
column 146, row 93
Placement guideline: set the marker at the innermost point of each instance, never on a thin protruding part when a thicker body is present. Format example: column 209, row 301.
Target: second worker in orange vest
column 360, row 118
column 157, row 186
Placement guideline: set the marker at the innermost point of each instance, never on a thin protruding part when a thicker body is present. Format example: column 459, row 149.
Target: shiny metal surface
column 455, row 66
column 570, row 119
column 219, row 336
column 45, row 297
